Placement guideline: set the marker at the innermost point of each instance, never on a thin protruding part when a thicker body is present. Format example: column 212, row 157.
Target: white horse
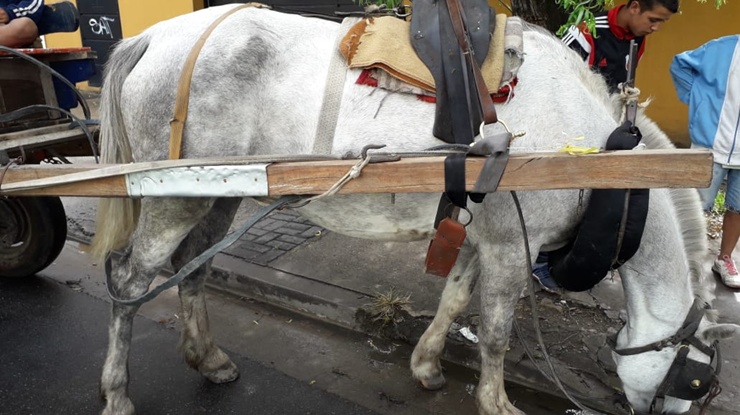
column 257, row 89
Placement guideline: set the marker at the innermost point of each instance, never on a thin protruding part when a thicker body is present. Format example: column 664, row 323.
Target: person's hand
column 624, row 137
column 4, row 18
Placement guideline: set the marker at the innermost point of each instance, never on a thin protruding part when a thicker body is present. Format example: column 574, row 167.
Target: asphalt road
column 52, row 345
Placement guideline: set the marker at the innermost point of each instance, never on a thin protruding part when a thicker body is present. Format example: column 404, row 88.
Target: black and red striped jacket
column 608, row 51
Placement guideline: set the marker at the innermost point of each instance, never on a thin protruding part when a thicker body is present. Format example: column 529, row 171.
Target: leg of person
column 541, row 273
column 730, row 232
column 710, row 193
column 18, row 33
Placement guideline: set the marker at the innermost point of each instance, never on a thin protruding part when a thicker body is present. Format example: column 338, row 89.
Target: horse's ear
column 720, row 332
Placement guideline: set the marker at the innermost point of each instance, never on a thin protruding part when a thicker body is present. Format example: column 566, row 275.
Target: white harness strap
column 324, row 139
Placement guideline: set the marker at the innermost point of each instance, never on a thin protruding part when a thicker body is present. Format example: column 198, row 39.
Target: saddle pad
column 384, row 43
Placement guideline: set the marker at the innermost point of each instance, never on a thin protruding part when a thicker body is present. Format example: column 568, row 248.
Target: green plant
column 390, row 4
column 719, row 204
column 717, row 3
column 583, row 11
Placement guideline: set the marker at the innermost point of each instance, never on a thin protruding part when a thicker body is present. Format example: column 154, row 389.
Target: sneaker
column 727, row 270
column 541, row 273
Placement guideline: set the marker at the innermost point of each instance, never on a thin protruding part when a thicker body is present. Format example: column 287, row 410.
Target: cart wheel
column 32, row 234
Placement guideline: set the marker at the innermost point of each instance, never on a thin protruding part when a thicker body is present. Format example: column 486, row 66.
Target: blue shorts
column 732, row 196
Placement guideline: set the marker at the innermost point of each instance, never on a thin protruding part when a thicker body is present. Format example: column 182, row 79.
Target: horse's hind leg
column 163, row 224
column 502, row 281
column 196, row 341
column 455, row 298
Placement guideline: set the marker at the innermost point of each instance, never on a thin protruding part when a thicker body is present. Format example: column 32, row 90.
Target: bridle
column 686, row 379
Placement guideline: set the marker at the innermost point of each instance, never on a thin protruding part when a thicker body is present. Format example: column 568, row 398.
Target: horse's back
column 257, row 71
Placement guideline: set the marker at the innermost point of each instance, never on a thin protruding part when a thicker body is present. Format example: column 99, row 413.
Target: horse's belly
column 403, row 217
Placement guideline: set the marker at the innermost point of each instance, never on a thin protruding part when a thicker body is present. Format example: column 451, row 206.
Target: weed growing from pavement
column 386, row 306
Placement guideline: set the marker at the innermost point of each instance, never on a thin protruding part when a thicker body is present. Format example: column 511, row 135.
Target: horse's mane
column 688, row 210
column 686, row 201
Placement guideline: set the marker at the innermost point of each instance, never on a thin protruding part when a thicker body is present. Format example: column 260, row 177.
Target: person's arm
column 684, row 68
column 24, row 8
column 580, row 40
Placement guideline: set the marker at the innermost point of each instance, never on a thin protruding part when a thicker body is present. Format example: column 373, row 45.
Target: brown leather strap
column 177, row 124
column 486, row 103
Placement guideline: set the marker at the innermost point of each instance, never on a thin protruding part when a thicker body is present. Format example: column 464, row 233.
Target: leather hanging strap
column 177, row 124
column 458, row 23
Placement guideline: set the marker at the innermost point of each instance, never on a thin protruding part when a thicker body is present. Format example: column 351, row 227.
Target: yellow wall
column 695, row 25
column 137, row 15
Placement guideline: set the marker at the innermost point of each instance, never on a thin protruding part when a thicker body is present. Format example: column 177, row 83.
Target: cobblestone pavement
column 273, row 236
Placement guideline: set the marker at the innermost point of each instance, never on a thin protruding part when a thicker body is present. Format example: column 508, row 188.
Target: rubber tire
column 43, row 240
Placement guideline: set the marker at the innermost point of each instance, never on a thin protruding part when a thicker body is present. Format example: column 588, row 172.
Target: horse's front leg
column 162, row 226
column 502, row 282
column 425, row 363
column 196, row 341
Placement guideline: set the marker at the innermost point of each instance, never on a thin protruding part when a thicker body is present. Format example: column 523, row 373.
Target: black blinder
column 687, row 379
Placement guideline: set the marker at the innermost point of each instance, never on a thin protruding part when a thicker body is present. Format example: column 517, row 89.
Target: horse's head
column 665, row 376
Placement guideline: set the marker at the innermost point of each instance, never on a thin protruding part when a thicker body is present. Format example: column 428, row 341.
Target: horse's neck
column 657, row 285
column 655, row 311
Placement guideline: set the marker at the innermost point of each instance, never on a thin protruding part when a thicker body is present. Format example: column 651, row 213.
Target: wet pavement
column 54, row 335
column 53, row 340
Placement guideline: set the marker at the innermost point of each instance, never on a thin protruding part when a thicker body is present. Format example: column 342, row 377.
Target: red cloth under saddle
column 501, row 96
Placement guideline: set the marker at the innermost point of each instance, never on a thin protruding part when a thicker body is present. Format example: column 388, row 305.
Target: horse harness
column 686, row 379
column 452, row 38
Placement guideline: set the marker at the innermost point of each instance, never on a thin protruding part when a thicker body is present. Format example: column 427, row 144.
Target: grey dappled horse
column 257, row 89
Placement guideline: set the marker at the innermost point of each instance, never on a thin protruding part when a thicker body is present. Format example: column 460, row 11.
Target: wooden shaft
column 540, row 171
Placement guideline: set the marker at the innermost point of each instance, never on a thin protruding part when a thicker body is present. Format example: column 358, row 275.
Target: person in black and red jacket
column 608, row 51
column 18, row 22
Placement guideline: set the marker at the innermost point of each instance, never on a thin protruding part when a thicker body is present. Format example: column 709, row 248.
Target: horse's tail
column 116, row 218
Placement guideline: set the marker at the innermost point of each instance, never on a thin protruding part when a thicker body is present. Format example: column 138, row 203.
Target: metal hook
column 506, row 127
column 370, row 147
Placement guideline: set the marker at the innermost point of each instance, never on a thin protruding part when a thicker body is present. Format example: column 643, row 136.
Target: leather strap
column 459, row 24
column 177, row 124
column 332, row 103
column 455, row 180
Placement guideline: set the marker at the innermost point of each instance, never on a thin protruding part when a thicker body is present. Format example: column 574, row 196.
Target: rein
column 193, row 264
column 535, row 321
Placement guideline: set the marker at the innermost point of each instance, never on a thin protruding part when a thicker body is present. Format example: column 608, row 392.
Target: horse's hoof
column 433, row 384
column 228, row 372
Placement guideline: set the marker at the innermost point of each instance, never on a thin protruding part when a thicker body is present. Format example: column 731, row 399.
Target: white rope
column 353, row 173
column 629, row 95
